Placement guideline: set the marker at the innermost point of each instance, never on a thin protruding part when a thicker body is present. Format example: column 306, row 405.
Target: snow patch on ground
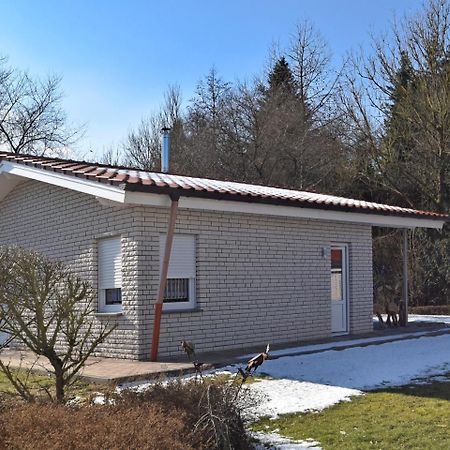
column 273, row 441
column 429, row 318
column 366, row 368
column 289, row 396
column 313, row 382
column 316, row 381
column 99, row 399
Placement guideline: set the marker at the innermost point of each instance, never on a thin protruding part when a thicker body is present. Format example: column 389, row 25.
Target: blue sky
column 117, row 57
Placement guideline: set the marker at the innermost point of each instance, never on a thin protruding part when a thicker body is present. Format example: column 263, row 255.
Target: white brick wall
column 259, row 279
column 64, row 225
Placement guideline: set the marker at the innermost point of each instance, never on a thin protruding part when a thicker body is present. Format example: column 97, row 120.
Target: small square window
column 177, row 290
column 179, row 294
column 113, row 296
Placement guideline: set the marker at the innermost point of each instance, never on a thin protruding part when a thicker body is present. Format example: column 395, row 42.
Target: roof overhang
column 18, row 172
column 11, row 174
column 245, row 207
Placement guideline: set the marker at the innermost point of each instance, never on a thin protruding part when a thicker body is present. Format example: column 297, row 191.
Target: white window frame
column 190, row 304
column 177, row 272
column 344, row 247
column 117, row 284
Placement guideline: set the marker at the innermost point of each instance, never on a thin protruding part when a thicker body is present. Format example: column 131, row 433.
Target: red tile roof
column 137, row 180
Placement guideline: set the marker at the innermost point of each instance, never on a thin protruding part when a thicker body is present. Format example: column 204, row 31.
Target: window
column 336, row 274
column 177, row 290
column 113, row 296
column 110, row 274
column 180, row 286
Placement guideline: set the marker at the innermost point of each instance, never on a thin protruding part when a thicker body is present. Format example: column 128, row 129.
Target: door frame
column 346, row 288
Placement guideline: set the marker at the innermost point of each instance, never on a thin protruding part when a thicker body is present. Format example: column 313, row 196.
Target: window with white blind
column 110, row 274
column 180, row 287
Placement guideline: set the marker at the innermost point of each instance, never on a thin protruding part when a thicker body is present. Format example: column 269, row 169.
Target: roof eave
column 138, row 193
column 114, row 193
column 205, row 200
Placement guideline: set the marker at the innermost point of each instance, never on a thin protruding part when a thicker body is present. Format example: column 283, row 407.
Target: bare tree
column 285, row 131
column 398, row 104
column 49, row 311
column 113, row 157
column 310, row 58
column 205, row 122
column 210, row 96
column 171, row 109
column 31, row 117
column 243, row 132
column 142, row 146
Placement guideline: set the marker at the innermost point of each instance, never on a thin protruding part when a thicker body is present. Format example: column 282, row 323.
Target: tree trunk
column 59, row 385
column 59, row 375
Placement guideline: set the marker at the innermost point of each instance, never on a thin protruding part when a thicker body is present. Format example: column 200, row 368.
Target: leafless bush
column 174, row 415
column 214, row 412
column 49, row 311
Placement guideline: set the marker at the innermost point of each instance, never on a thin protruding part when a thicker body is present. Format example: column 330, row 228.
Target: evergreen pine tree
column 399, row 129
column 281, row 77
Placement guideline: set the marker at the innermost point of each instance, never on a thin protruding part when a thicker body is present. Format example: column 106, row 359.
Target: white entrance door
column 339, row 289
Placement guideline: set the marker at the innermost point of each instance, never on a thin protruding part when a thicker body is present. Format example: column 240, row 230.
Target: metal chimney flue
column 165, row 150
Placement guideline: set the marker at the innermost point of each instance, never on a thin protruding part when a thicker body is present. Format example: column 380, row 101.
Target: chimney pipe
column 165, row 150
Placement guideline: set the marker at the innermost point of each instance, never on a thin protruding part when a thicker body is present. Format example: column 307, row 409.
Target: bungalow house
column 248, row 264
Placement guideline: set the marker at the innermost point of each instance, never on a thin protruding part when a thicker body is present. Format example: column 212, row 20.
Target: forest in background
column 377, row 128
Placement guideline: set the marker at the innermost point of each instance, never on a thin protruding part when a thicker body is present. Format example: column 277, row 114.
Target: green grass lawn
column 411, row 417
column 37, row 383
column 34, row 381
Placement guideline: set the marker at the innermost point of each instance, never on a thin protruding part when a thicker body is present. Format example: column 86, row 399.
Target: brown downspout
column 163, row 278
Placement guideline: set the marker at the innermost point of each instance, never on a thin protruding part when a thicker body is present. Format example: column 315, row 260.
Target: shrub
column 175, row 415
column 50, row 426
column 213, row 410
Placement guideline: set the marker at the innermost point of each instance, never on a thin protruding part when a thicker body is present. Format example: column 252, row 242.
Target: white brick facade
column 259, row 279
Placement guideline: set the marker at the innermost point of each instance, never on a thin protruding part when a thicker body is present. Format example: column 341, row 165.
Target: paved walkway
column 111, row 370
column 100, row 370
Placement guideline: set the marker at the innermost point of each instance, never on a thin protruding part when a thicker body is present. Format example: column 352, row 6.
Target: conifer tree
column 281, row 77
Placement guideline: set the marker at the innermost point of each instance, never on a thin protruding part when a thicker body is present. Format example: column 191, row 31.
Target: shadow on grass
column 426, row 388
